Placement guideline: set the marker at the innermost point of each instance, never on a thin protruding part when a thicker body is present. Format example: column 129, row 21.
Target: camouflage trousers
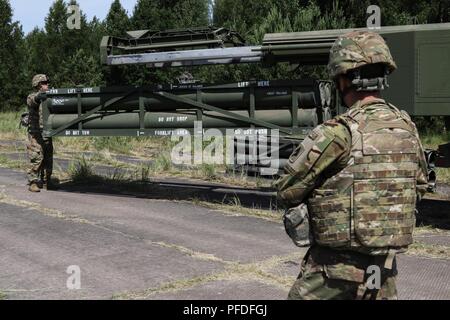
column 40, row 155
column 330, row 275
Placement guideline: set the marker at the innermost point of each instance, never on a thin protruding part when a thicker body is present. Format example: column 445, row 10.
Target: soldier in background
column 359, row 175
column 39, row 149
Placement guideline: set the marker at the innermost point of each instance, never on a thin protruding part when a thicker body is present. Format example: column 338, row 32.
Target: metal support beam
column 219, row 110
column 190, row 57
column 104, row 106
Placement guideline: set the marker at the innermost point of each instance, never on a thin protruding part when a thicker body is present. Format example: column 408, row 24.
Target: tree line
column 71, row 57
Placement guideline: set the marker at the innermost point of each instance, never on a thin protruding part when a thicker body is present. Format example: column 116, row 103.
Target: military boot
column 34, row 187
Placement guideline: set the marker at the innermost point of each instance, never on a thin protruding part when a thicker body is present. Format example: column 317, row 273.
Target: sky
column 32, row 13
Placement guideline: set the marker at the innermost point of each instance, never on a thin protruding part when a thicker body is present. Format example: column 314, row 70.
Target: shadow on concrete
column 434, row 213
column 177, row 189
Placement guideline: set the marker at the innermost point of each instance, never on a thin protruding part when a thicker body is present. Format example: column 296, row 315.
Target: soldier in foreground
column 356, row 180
column 40, row 150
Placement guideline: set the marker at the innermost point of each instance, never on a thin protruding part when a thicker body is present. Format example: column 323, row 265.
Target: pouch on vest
column 297, row 226
column 330, row 218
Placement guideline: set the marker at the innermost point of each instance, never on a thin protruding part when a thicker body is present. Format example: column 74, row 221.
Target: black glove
column 41, row 96
column 24, row 120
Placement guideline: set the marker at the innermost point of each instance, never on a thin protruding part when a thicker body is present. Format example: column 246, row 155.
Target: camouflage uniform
column 39, row 149
column 360, row 174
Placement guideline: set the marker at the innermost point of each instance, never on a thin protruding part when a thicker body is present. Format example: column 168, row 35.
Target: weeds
column 81, row 170
column 234, row 207
column 9, row 126
column 429, row 250
column 208, row 171
column 162, row 163
column 12, row 164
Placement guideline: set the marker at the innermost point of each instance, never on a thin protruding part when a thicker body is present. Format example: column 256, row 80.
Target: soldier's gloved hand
column 41, row 96
column 296, row 224
column 24, row 120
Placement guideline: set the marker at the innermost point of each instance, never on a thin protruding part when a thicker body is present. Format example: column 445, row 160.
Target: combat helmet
column 38, row 79
column 357, row 52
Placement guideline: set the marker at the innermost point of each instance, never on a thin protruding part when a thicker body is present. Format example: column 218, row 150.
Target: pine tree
column 169, row 14
column 117, row 21
column 35, row 42
column 97, row 30
column 147, row 15
column 241, row 16
column 12, row 53
column 162, row 15
column 190, row 13
column 79, row 69
column 62, row 42
column 116, row 24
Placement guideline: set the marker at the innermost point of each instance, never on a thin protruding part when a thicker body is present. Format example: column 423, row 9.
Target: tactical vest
column 369, row 206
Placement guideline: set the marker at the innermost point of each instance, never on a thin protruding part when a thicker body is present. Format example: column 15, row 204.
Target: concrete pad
column 240, row 238
column 227, row 290
column 443, row 189
column 12, row 177
column 36, row 250
column 423, row 278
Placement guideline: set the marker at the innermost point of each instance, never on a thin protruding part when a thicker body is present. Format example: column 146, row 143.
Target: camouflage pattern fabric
column 332, row 172
column 356, row 49
column 386, row 157
column 358, row 174
column 323, row 153
column 39, row 150
column 330, row 275
column 35, row 114
column 40, row 154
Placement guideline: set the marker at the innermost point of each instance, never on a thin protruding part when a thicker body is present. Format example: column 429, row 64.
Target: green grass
column 81, row 170
column 9, row 126
column 208, row 171
column 432, row 140
column 12, row 164
column 162, row 163
column 429, row 250
column 137, row 146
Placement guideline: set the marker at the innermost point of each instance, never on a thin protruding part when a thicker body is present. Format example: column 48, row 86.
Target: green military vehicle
column 421, row 86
